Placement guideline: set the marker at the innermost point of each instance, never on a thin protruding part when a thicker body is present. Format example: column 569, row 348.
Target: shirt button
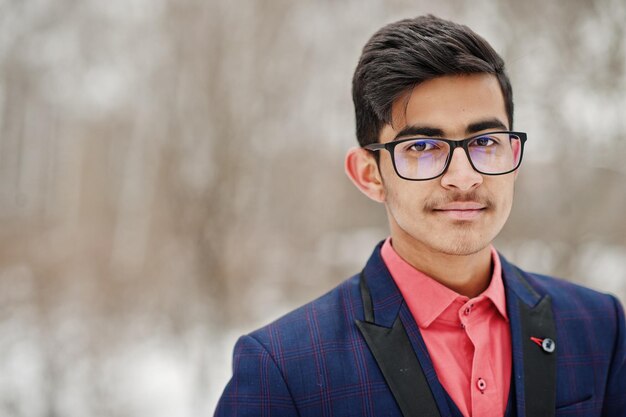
column 468, row 309
column 481, row 384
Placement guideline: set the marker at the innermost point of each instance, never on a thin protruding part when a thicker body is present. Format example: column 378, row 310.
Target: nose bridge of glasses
column 459, row 164
column 460, row 146
column 460, row 172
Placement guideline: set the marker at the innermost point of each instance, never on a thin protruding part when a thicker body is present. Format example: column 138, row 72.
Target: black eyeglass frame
column 463, row 143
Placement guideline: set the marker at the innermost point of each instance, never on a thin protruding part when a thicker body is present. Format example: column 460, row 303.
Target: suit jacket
column 357, row 351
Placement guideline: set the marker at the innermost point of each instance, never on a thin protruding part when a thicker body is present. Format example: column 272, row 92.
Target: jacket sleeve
column 257, row 387
column 615, row 398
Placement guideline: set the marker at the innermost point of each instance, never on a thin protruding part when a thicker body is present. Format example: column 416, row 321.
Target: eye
column 421, row 145
column 485, row 141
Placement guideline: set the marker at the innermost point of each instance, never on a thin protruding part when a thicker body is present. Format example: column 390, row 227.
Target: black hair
column 405, row 53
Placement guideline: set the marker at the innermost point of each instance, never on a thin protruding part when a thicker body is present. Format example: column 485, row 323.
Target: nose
column 460, row 174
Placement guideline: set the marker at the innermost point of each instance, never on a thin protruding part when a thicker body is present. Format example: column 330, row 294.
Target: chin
column 463, row 243
column 463, row 249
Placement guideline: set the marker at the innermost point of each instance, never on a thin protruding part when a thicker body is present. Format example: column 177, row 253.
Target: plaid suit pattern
column 314, row 361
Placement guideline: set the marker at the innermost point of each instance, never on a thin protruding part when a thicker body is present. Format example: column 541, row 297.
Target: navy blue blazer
column 357, row 351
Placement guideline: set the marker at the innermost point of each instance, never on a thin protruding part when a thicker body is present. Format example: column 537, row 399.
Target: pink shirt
column 468, row 340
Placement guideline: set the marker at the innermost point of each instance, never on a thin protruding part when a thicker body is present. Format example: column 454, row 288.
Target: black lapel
column 539, row 363
column 531, row 317
column 397, row 361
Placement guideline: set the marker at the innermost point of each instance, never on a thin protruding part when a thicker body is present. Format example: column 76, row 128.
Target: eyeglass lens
column 426, row 158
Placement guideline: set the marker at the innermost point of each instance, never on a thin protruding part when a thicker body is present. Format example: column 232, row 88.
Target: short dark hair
column 405, row 53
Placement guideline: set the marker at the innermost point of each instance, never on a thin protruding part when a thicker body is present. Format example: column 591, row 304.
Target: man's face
column 462, row 211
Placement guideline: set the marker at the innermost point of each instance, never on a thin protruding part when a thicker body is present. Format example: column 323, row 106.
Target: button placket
column 485, row 391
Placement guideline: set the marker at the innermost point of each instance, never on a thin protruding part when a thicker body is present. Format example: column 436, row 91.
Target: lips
column 461, row 210
column 461, row 205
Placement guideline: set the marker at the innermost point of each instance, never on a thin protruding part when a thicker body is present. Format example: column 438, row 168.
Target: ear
column 362, row 169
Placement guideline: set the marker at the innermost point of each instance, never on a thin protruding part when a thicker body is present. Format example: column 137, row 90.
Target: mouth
column 461, row 210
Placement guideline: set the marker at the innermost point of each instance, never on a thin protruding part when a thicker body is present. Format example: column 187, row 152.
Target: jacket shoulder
column 329, row 317
column 578, row 309
column 567, row 293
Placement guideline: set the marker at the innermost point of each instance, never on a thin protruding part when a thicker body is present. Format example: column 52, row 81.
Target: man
column 437, row 323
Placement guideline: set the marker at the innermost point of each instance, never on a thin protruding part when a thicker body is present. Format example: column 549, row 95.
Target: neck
column 468, row 275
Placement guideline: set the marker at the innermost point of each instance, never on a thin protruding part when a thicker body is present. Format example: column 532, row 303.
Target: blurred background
column 171, row 177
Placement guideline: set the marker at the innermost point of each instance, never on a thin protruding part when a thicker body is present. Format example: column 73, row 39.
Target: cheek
column 405, row 199
column 504, row 193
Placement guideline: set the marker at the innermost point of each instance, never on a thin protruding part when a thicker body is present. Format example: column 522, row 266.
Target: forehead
column 449, row 104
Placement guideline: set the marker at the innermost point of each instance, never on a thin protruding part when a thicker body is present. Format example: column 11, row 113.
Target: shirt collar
column 432, row 297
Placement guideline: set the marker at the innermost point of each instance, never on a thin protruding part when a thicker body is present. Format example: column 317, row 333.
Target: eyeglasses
column 423, row 158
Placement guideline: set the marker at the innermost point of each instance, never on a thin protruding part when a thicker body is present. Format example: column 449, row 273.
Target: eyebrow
column 484, row 125
column 430, row 131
